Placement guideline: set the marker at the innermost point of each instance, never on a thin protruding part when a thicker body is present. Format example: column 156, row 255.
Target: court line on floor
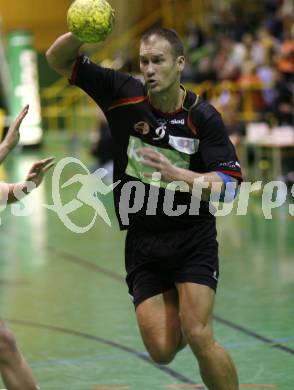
column 140, row 355
column 79, row 360
column 88, row 264
column 251, row 333
column 242, row 385
column 241, row 344
column 13, row 282
column 102, row 387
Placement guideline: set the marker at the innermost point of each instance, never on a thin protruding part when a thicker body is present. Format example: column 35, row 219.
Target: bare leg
column 15, row 372
column 160, row 326
column 216, row 367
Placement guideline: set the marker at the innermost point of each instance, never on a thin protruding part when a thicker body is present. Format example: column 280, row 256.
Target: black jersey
column 194, row 138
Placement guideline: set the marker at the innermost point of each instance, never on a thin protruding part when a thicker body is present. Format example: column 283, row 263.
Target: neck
column 168, row 101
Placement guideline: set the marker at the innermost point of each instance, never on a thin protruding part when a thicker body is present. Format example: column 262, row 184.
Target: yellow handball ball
column 90, row 20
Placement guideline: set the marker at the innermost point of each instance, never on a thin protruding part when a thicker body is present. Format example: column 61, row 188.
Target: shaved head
column 169, row 35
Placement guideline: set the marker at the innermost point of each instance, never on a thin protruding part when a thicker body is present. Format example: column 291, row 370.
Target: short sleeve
column 216, row 150
column 102, row 84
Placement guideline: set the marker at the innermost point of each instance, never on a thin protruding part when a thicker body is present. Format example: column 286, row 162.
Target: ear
column 181, row 63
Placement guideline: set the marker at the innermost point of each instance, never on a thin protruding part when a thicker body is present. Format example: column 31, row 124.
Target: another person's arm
column 12, row 192
column 12, row 137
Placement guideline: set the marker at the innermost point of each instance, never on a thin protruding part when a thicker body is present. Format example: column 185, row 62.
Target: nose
column 150, row 70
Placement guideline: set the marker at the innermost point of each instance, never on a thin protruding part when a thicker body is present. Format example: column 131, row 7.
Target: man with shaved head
column 168, row 144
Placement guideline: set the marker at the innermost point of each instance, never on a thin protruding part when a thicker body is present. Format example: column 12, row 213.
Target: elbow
column 61, row 67
column 51, row 60
column 54, row 63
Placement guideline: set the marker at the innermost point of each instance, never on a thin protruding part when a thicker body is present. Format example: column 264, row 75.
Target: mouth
column 152, row 83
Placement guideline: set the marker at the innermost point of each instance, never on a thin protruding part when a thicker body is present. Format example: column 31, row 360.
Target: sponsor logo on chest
column 177, row 121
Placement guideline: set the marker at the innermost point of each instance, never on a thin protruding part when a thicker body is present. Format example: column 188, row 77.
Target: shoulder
column 131, row 84
column 86, row 69
column 207, row 121
column 203, row 111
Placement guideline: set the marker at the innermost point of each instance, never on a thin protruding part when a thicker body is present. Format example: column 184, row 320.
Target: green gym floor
column 63, row 294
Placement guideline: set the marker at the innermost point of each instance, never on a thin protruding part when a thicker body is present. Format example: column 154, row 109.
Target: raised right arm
column 62, row 54
column 103, row 85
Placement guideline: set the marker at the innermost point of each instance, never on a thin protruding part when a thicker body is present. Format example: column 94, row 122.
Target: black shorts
column 155, row 262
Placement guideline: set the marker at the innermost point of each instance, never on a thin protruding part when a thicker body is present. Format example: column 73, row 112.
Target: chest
column 170, row 131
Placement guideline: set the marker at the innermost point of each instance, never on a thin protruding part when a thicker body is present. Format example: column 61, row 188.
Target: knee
column 200, row 338
column 162, row 354
column 162, row 358
column 7, row 342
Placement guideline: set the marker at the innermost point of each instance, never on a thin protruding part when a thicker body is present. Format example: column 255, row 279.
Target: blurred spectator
column 228, row 105
column 285, row 61
column 266, row 73
column 273, row 20
column 268, row 42
column 251, row 49
column 200, row 63
column 194, row 37
column 234, row 126
column 225, row 62
column 284, row 101
column 251, row 85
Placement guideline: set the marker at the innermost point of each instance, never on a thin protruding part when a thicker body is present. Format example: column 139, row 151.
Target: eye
column 144, row 62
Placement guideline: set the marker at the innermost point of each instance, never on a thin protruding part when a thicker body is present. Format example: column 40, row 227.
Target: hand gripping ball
column 90, row 20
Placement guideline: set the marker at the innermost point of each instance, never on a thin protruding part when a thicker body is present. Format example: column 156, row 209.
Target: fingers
column 47, row 167
column 22, row 114
column 148, row 152
column 148, row 174
column 151, row 163
column 24, row 111
column 47, row 163
column 145, row 151
column 43, row 165
column 47, row 160
column 152, row 155
column 37, row 166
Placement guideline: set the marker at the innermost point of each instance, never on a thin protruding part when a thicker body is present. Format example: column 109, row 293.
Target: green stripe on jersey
column 136, row 169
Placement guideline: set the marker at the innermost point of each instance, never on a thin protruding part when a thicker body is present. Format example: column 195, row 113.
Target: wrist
column 74, row 40
column 16, row 192
column 179, row 174
column 6, row 147
column 24, row 188
column 4, row 151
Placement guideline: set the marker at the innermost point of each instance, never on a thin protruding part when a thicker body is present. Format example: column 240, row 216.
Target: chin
column 155, row 90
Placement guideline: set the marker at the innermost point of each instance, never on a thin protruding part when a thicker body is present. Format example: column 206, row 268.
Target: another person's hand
column 39, row 169
column 12, row 137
